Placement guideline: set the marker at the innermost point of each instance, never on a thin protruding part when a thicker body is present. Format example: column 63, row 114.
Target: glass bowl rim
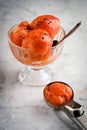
column 26, row 48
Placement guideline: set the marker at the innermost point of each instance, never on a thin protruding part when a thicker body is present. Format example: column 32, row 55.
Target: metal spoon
column 73, row 110
column 55, row 42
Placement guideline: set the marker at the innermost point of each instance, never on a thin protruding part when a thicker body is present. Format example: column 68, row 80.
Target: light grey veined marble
column 22, row 107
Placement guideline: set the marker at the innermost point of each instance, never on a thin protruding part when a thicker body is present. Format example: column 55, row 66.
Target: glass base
column 35, row 76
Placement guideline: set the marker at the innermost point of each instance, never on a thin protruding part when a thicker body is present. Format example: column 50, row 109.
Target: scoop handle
column 81, row 121
column 76, row 113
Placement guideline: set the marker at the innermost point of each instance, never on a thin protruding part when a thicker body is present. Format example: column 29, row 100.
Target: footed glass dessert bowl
column 36, row 71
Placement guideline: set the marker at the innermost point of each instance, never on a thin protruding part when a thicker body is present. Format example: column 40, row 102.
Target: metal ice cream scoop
column 73, row 110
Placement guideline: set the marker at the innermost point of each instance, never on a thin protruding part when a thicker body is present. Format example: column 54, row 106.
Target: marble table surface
column 22, row 107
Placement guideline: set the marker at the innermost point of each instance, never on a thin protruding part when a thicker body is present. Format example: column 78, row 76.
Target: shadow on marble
column 2, row 77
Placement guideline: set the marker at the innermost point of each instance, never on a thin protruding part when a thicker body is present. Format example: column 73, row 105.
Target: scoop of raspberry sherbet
column 38, row 42
column 19, row 33
column 25, row 25
column 58, row 93
column 47, row 22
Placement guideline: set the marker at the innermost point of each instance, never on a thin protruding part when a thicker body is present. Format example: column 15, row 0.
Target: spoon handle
column 70, row 32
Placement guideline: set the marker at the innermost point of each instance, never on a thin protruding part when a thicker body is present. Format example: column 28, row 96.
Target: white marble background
column 22, row 107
